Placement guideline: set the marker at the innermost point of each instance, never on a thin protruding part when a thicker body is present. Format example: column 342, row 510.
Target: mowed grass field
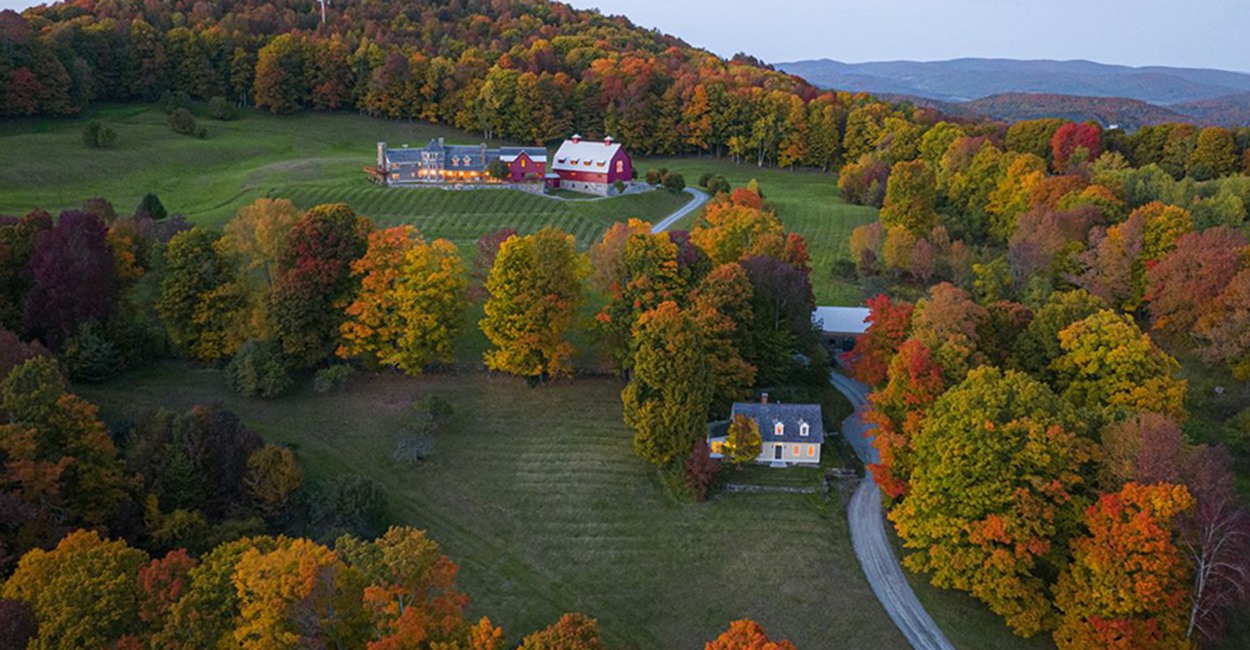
column 808, row 203
column 538, row 496
column 310, row 158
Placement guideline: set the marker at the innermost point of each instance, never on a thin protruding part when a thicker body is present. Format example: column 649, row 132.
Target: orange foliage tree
column 1128, row 584
column 746, row 635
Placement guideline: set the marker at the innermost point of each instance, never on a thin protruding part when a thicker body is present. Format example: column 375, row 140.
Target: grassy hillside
column 538, row 495
column 808, row 203
column 310, row 158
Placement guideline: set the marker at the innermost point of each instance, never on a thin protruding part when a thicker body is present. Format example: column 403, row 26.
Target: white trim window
column 779, row 428
column 804, row 429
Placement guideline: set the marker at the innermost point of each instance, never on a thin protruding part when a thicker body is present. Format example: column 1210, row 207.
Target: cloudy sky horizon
column 1195, row 33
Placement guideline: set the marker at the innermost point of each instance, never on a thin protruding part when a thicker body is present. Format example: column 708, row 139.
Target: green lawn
column 537, row 494
column 808, row 203
column 309, row 158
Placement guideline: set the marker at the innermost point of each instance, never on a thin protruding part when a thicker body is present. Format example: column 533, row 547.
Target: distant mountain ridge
column 1021, row 89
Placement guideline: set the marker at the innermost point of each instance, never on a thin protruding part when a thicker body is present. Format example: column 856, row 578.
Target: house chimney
column 763, row 398
column 608, row 141
column 382, row 156
column 440, row 142
column 577, row 137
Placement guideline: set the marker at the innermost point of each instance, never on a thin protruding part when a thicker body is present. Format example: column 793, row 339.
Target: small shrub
column 619, row 186
column 436, row 405
column 332, row 378
column 259, row 369
column 498, row 170
column 656, row 176
column 90, row 356
column 413, row 448
column 98, row 136
column 349, row 504
column 220, row 108
column 844, row 269
column 91, row 134
column 174, row 101
column 106, row 138
column 674, row 182
column 151, row 207
column 718, row 185
column 182, row 121
column 705, row 178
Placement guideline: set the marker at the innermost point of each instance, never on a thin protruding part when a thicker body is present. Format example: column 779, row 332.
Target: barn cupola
column 608, row 141
column 577, row 137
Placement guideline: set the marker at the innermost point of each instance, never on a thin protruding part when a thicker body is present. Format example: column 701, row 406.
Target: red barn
column 524, row 163
column 591, row 166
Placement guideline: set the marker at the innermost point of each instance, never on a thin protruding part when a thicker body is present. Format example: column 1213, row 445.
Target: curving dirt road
column 872, row 547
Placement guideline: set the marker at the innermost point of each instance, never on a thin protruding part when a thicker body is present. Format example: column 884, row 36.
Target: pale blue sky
column 1197, row 33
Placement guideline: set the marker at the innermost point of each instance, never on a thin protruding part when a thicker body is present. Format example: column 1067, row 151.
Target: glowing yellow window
column 811, row 450
column 620, row 166
column 796, row 450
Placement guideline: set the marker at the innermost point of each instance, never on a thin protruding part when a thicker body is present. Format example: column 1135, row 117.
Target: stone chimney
column 577, row 137
column 763, row 398
column 382, row 157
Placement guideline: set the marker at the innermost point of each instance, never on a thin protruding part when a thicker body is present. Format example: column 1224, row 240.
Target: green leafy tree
column 84, row 592
column 911, row 197
column 667, row 401
column 1112, row 368
column 743, row 444
column 535, row 288
column 410, row 304
column 1039, row 344
column 1214, row 155
column 200, row 301
column 996, row 492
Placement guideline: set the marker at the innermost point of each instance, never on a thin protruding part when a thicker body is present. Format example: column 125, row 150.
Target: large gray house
column 439, row 162
column 791, row 433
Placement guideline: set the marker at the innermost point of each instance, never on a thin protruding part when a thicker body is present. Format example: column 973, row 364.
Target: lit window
column 804, row 429
column 811, row 450
column 779, row 429
column 796, row 450
column 620, row 166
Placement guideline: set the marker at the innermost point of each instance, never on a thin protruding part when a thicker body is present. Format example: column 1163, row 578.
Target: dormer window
column 804, row 429
column 779, row 429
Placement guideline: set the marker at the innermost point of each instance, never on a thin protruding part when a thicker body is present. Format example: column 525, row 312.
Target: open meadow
column 314, row 158
column 538, row 496
column 807, row 202
column 310, row 158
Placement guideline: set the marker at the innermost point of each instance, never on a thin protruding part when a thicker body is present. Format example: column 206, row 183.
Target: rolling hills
column 1015, row 90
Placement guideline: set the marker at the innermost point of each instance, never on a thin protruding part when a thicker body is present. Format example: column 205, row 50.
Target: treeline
column 1035, row 442
column 532, row 72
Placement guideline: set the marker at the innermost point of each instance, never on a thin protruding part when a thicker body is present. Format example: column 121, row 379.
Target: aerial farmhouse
column 790, row 434
column 592, row 167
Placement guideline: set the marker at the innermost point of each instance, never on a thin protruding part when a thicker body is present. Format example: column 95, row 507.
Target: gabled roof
column 536, row 154
column 585, row 156
column 791, row 416
column 841, row 320
column 404, row 155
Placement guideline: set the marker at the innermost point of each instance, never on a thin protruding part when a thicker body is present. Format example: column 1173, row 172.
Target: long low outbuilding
column 840, row 327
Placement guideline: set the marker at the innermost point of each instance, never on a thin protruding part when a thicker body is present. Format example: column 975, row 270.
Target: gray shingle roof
column 792, row 417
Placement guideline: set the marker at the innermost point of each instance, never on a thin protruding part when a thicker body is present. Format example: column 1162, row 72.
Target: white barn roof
column 841, row 320
column 585, row 156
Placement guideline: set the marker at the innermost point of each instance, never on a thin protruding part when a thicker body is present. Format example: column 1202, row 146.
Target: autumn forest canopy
column 1058, row 350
